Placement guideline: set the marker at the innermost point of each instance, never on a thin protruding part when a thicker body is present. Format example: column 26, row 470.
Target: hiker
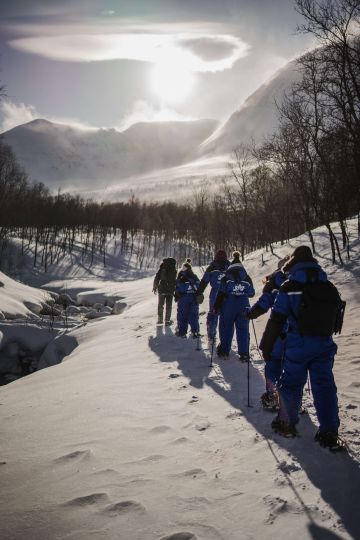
column 310, row 304
column 272, row 284
column 231, row 302
column 187, row 284
column 164, row 285
column 213, row 274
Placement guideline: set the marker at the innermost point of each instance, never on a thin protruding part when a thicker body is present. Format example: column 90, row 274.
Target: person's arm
column 275, row 324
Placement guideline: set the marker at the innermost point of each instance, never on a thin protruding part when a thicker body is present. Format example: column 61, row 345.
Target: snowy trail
column 134, row 437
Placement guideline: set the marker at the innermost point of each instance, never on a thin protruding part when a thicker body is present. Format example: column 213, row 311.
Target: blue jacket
column 287, row 304
column 268, row 296
column 186, row 283
column 213, row 274
column 235, row 287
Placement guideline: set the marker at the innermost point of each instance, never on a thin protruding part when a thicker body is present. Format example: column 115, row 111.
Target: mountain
column 256, row 118
column 63, row 156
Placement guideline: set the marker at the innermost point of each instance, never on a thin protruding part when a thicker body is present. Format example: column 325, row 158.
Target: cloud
column 146, row 112
column 195, row 52
column 14, row 114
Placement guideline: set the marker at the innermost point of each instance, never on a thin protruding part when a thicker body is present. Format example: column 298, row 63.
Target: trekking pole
column 248, row 372
column 256, row 341
column 212, row 352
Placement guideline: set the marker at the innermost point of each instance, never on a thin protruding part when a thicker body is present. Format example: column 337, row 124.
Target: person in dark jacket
column 164, row 285
column 305, row 353
column 273, row 282
column 232, row 302
column 213, row 274
column 187, row 284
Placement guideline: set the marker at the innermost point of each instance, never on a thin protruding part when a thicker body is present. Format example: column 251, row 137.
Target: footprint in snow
column 93, row 498
column 78, row 455
column 123, row 507
column 180, row 536
column 194, row 399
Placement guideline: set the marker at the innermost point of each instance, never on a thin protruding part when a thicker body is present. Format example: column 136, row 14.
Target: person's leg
column 161, row 301
column 242, row 334
column 194, row 316
column 226, row 330
column 168, row 308
column 324, row 391
column 290, row 387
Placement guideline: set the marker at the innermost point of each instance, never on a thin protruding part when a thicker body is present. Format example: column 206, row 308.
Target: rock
column 73, row 310
column 65, row 300
column 50, row 310
column 118, row 307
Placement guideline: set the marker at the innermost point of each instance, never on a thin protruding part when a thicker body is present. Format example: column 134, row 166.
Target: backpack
column 321, row 310
column 167, row 276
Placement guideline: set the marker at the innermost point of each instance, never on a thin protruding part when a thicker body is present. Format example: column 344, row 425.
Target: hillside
column 72, row 158
column 256, row 118
column 134, row 436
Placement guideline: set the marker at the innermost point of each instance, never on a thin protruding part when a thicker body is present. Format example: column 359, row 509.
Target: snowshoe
column 169, row 323
column 195, row 335
column 177, row 333
column 283, row 428
column 244, row 357
column 159, row 321
column 330, row 440
column 270, row 402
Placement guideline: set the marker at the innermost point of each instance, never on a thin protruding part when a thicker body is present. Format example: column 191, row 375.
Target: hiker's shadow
column 336, row 476
column 193, row 363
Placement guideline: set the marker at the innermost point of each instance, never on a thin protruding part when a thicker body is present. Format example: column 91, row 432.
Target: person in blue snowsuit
column 187, row 284
column 213, row 275
column 232, row 301
column 273, row 366
column 313, row 354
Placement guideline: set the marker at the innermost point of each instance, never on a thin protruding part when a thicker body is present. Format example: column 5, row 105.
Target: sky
column 111, row 63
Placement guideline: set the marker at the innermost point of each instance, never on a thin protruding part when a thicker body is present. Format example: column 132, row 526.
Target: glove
column 176, row 297
column 154, row 290
column 215, row 311
column 247, row 313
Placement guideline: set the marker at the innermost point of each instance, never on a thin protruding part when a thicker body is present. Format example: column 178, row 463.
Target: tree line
column 305, row 175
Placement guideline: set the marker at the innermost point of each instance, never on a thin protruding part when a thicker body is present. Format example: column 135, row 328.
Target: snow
column 134, row 436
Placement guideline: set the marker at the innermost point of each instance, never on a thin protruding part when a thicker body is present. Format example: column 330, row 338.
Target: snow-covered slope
column 256, row 118
column 133, row 436
column 69, row 157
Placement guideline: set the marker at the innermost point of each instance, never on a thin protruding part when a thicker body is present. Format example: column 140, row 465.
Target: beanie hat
column 300, row 254
column 220, row 255
column 187, row 264
column 236, row 255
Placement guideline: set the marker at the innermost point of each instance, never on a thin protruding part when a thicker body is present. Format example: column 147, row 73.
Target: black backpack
column 321, row 310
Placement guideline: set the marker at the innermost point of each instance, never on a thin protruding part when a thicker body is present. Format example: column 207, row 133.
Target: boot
column 270, row 401
column 283, row 428
column 330, row 440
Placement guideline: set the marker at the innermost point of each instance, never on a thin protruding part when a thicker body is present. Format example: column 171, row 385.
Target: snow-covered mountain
column 62, row 156
column 149, row 157
column 256, row 118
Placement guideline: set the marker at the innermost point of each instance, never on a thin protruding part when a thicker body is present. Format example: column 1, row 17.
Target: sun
column 172, row 83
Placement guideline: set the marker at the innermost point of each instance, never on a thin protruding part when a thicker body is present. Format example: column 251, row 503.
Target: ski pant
column 313, row 355
column 187, row 313
column 165, row 299
column 273, row 367
column 233, row 319
column 212, row 318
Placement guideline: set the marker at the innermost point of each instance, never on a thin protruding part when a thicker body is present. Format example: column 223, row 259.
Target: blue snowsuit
column 232, row 301
column 303, row 354
column 274, row 365
column 187, row 284
column 213, row 275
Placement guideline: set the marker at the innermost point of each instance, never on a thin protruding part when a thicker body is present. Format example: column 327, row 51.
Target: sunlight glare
column 172, row 83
